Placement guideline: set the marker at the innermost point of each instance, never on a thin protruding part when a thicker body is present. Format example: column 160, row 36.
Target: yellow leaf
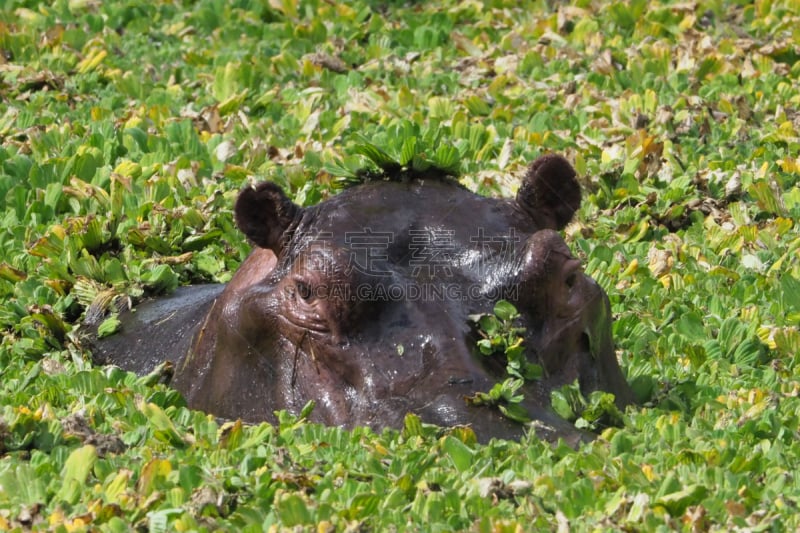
column 98, row 113
column 129, row 169
column 56, row 518
column 28, row 16
column 345, row 11
column 117, row 486
column 78, row 524
column 762, row 171
column 687, row 22
column 91, row 61
column 783, row 225
column 630, row 270
column 287, row 7
column 58, row 231
column 324, row 527
column 749, row 313
column 9, row 273
column 151, row 472
column 230, row 434
column 789, row 165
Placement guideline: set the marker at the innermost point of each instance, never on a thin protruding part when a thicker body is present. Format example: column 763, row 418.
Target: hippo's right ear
column 264, row 213
column 550, row 192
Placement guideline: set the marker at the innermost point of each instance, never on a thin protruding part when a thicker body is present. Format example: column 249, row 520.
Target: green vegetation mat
column 127, row 128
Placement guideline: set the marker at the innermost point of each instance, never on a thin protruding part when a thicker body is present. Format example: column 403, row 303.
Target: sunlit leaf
column 75, row 473
column 459, row 453
column 163, row 427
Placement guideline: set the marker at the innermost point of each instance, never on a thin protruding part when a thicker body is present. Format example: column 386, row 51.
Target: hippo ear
column 264, row 213
column 550, row 192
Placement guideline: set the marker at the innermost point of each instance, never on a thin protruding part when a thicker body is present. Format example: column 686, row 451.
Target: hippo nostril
column 571, row 279
column 585, row 344
column 571, row 271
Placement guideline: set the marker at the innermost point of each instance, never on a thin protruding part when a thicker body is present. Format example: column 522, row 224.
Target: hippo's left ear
column 264, row 213
column 550, row 192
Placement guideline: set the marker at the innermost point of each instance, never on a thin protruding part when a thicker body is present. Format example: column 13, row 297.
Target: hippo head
column 362, row 303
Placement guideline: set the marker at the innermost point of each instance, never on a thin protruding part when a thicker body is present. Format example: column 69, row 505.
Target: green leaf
column 532, row 372
column 790, row 292
column 485, row 346
column 164, row 429
column 420, row 163
column 448, row 159
column 412, row 426
column 505, row 310
column 489, row 325
column 477, row 106
column 643, row 388
column 375, row 154
column 75, row 473
column 601, row 408
column 459, row 453
column 690, row 325
column 201, row 240
column 767, row 197
column 160, row 279
column 22, row 485
column 347, row 169
column 109, row 326
column 292, row 510
column 515, row 412
column 363, row 506
column 480, row 398
column 563, row 402
column 677, row 502
column 307, row 409
column 162, row 373
column 409, row 150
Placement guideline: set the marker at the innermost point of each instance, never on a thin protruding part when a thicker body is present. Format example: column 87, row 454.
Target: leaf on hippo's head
column 375, row 154
column 109, row 326
column 161, row 279
column 402, row 150
column 98, row 300
column 447, row 158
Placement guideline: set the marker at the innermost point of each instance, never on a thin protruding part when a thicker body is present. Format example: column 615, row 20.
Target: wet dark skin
column 362, row 303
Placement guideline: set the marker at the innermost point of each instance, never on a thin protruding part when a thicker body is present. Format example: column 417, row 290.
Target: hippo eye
column 571, row 279
column 303, row 290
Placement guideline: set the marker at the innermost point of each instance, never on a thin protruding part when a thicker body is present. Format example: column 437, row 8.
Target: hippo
column 365, row 304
